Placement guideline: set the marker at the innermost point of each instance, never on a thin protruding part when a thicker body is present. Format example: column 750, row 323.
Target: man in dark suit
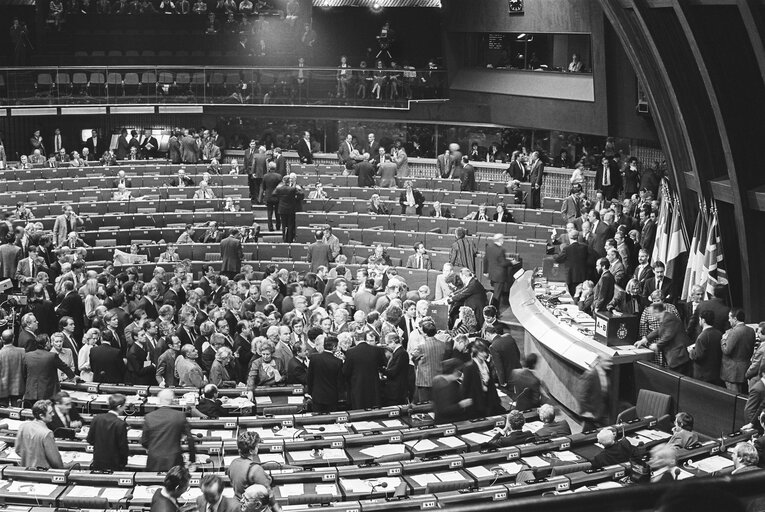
column 551, row 428
column 525, row 386
column 643, row 270
column 648, row 231
column 604, row 289
column 259, row 169
column 189, row 149
column 41, row 370
column 706, row 353
column 608, row 178
column 443, row 164
column 148, row 302
column 411, row 198
column 448, row 406
column 496, row 265
column 536, row 173
column 756, row 401
column 107, row 364
column 95, row 144
column 365, row 171
column 324, row 379
column 123, row 147
column 571, row 208
column 345, row 152
column 670, row 337
column 279, row 162
column 163, row 430
column 600, row 233
column 592, row 393
column 472, row 294
column 576, row 256
column 65, row 417
column 72, row 306
column 28, row 333
column 231, row 254
column 108, row 435
column 505, row 355
column 396, row 372
column 319, row 253
column 372, row 148
column 212, row 499
column 658, row 282
column 514, row 433
column 303, row 147
column 363, row 364
column 140, row 370
column 271, row 180
column 614, row 451
column 717, row 306
column 290, row 196
column 737, row 347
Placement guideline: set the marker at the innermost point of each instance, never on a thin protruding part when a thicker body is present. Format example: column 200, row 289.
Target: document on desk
column 480, row 472
column 566, row 456
column 192, row 494
column 511, row 468
column 271, row 457
column 393, row 423
column 294, row 400
column 263, row 400
column 134, row 434
column 144, row 492
column 450, row 476
column 421, row 445
column 535, row 462
column 287, row 490
column 366, row 425
column 451, row 441
column 384, row 450
column 13, row 425
column 114, row 493
column 533, row 426
column 331, row 428
column 654, row 435
column 477, row 437
column 327, row 489
column 425, row 479
column 84, row 491
column 39, row 489
column 713, row 464
column 138, row 460
column 334, row 453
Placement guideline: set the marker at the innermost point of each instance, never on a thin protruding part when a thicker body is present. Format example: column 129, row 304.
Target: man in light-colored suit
column 65, row 224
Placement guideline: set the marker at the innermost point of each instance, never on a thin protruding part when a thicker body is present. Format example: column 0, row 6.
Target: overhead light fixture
column 376, row 7
column 521, row 36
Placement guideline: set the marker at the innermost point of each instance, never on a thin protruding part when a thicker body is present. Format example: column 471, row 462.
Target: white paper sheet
column 31, row 488
column 450, row 476
column 535, row 462
column 480, row 472
column 511, row 468
column 295, row 400
column 138, row 460
column 425, row 479
column 713, row 464
column 192, row 494
column 533, row 426
column 334, row 453
column 144, row 492
column 327, row 489
column 13, row 425
column 271, row 457
column 263, row 400
column 287, row 490
column 451, row 441
column 366, row 425
column 365, row 486
column 566, row 456
column 392, row 423
column 114, row 493
column 420, row 445
column 84, row 491
column 383, row 450
column 477, row 437
column 332, row 428
column 654, row 435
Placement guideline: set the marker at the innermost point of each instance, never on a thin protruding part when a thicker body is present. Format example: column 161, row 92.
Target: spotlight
column 376, row 7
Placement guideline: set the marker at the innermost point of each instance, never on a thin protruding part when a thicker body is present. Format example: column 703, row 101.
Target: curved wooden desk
column 564, row 352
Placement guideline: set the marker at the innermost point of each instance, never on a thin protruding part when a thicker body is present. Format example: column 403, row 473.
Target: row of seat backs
column 716, row 411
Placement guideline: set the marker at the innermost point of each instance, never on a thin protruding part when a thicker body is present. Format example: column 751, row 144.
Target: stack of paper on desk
column 383, row 450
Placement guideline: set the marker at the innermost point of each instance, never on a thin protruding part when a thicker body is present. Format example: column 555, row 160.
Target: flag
column 677, row 243
column 713, row 270
column 696, row 254
column 662, row 226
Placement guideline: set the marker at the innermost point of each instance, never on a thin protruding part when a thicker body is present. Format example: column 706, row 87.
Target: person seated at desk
column 439, row 211
column 376, row 206
column 121, row 194
column 230, row 205
column 212, row 234
column 482, row 215
column 204, row 191
column 584, row 296
column 234, row 166
column 318, row 192
column 182, row 180
column 663, row 463
column 745, row 458
column 77, row 160
column 683, row 435
column 514, row 189
column 614, row 451
column 22, row 212
column 411, row 198
column 215, row 167
column 170, row 255
column 513, row 433
column 379, row 257
column 108, row 158
column 66, row 420
column 551, row 427
column 502, row 214
column 209, row 405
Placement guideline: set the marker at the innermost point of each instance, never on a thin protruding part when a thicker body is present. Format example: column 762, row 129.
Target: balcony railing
column 87, row 85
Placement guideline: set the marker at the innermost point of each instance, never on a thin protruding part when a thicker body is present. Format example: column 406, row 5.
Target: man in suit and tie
column 319, row 252
column 95, row 144
column 420, row 259
column 600, row 231
column 604, row 289
column 149, row 301
column 271, row 180
column 551, row 428
column 67, row 327
column 372, row 148
column 576, row 256
column 259, row 169
column 10, row 254
column 189, row 149
column 571, row 208
column 290, row 197
column 28, row 268
column 737, row 346
column 658, row 282
column 670, row 338
column 643, row 271
column 706, row 352
column 396, row 372
column 304, row 150
column 717, row 306
column 345, row 152
column 496, row 265
column 148, row 145
column 231, row 254
column 280, row 161
column 212, row 499
column 536, row 174
column 108, row 436
column 107, row 363
column 608, row 178
column 324, row 379
column 617, row 268
column 472, row 295
column 363, row 364
column 65, row 417
column 71, row 305
column 65, row 223
column 41, row 367
column 122, row 150
column 443, row 164
column 163, row 430
column 505, row 355
column 648, row 231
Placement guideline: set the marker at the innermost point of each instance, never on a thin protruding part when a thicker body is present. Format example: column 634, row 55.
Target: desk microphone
column 373, row 486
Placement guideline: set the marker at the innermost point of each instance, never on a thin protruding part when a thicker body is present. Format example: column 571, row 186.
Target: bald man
column 163, row 430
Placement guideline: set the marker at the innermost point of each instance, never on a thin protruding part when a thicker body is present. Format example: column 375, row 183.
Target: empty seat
column 44, row 83
column 79, row 82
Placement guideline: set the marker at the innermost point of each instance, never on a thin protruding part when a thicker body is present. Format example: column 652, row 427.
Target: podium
column 616, row 328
